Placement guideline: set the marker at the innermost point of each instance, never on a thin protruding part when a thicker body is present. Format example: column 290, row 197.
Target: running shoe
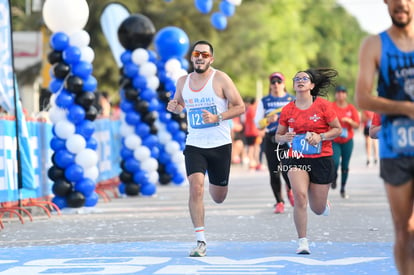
column 291, row 198
column 303, row 246
column 200, row 250
column 280, row 208
column 327, row 209
column 333, row 185
column 344, row 195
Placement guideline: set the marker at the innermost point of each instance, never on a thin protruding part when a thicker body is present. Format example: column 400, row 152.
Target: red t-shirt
column 250, row 128
column 376, row 120
column 347, row 130
column 314, row 119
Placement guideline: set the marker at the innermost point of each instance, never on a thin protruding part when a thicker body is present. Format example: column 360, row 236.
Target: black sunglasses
column 276, row 80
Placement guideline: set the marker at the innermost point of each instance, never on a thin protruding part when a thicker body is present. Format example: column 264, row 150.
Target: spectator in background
column 267, row 118
column 237, row 135
column 252, row 134
column 371, row 145
column 105, row 104
column 344, row 144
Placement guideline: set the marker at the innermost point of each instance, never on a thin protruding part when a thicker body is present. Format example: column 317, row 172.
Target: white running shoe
column 200, row 250
column 303, row 246
column 327, row 209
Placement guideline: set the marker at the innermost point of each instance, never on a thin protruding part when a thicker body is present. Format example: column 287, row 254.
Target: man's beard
column 200, row 70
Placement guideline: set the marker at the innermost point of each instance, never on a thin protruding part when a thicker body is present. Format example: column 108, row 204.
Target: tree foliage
column 261, row 37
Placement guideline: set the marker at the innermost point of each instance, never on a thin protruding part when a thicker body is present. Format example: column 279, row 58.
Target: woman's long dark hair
column 323, row 78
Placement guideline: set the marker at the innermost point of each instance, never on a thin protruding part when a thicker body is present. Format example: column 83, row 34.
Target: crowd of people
column 306, row 137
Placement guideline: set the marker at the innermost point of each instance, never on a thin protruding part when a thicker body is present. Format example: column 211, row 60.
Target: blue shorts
column 215, row 161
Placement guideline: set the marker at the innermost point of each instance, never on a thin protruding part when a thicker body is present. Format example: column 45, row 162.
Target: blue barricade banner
column 39, row 135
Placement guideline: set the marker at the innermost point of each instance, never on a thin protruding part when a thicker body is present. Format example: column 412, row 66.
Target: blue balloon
column 126, row 106
column 148, row 189
column 126, row 57
column 153, row 104
column 178, row 178
column 203, row 6
column 155, row 152
column 142, row 129
column 173, row 127
column 82, row 69
column 57, row 143
column 63, row 158
column 150, row 141
column 90, row 84
column 132, row 165
column 152, row 56
column 121, row 188
column 140, row 177
column 85, row 128
column 218, row 20
column 76, row 114
column 92, row 143
column 86, row 186
column 126, row 153
column 64, row 99
column 139, row 82
column 60, row 202
column 164, row 117
column 171, row 42
column 132, row 118
column 71, row 55
column 59, row 41
column 74, row 172
column 92, row 200
column 55, row 85
column 147, row 94
column 130, row 69
column 227, row 8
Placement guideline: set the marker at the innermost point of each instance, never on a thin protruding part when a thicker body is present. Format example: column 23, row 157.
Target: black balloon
column 61, row 188
column 150, row 117
column 142, row 106
column 54, row 57
column 126, row 177
column 164, row 96
column 153, row 129
column 75, row 199
column 131, row 189
column 61, row 69
column 85, row 99
column 91, row 113
column 74, row 84
column 164, row 178
column 131, row 94
column 55, row 173
column 136, row 31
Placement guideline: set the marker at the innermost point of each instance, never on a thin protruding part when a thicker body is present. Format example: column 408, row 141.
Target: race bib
column 300, row 145
column 195, row 116
column 344, row 133
column 402, row 135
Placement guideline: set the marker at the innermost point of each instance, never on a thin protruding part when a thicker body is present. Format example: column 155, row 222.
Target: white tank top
column 203, row 135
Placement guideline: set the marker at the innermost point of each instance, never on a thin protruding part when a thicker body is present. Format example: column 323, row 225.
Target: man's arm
column 177, row 105
column 369, row 57
column 230, row 92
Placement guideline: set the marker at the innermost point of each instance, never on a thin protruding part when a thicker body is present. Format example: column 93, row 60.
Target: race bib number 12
column 195, row 116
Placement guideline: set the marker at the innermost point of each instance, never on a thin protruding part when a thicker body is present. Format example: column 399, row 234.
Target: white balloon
column 132, row 142
column 172, row 147
column 172, row 65
column 164, row 137
column 57, row 114
column 153, row 82
column 139, row 56
column 66, row 16
column 86, row 158
column 142, row 153
column 91, row 173
column 126, row 129
column 148, row 69
column 75, row 143
column 150, row 164
column 87, row 54
column 235, row 2
column 153, row 177
column 178, row 157
column 64, row 129
column 80, row 39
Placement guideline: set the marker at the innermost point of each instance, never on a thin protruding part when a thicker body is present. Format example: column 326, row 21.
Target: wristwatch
column 322, row 136
column 220, row 117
